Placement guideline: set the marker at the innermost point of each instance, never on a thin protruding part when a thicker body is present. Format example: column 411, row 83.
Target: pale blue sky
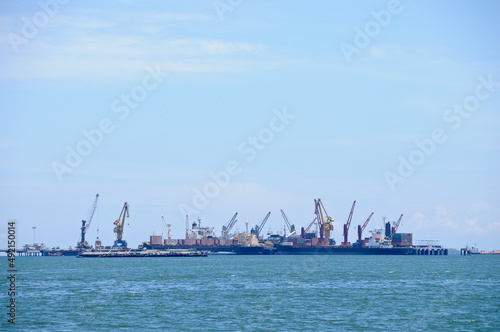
column 224, row 81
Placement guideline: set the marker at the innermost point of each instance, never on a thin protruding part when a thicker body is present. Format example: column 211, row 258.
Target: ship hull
column 331, row 250
column 256, row 250
column 141, row 253
column 237, row 249
column 61, row 252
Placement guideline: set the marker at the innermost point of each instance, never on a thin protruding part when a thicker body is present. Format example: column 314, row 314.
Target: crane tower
column 119, row 224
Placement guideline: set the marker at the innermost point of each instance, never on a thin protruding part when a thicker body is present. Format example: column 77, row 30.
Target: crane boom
column 310, row 225
column 362, row 228
column 258, row 228
column 325, row 226
column 228, row 226
column 319, row 217
column 395, row 228
column 347, row 225
column 86, row 225
column 167, row 228
column 92, row 213
column 290, row 226
column 119, row 224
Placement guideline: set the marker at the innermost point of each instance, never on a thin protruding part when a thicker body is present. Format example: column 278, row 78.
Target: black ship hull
column 61, row 252
column 332, row 250
column 257, row 250
column 237, row 249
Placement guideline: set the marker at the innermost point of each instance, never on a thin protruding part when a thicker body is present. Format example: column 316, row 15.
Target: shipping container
column 155, row 240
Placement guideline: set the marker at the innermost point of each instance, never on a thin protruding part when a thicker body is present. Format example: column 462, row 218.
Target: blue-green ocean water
column 256, row 293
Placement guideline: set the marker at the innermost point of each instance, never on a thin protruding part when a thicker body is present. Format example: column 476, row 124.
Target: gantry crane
column 85, row 226
column 362, row 228
column 167, row 228
column 325, row 226
column 119, row 223
column 291, row 227
column 347, row 225
column 228, row 226
column 258, row 228
column 395, row 228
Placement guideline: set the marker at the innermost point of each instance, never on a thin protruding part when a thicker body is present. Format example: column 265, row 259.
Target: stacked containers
column 155, row 240
column 402, row 239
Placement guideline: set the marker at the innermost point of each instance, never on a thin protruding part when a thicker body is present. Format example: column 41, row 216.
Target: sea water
column 255, row 293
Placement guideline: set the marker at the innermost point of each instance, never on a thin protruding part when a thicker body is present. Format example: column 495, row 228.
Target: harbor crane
column 167, row 228
column 228, row 226
column 347, row 225
column 395, row 228
column 85, row 227
column 362, row 228
column 325, row 226
column 291, row 227
column 119, row 223
column 305, row 231
column 258, row 228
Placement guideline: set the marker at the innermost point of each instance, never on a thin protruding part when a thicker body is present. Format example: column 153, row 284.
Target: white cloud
column 108, row 56
column 84, row 42
column 472, row 226
column 481, row 206
column 65, row 22
column 178, row 17
column 89, row 18
column 444, row 218
column 419, row 220
column 494, row 227
column 378, row 52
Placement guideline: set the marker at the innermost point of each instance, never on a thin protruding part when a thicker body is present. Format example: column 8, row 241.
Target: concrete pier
column 431, row 252
column 465, row 252
column 24, row 252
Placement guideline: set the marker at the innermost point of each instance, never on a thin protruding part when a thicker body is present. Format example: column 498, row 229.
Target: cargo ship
column 140, row 253
column 383, row 241
column 204, row 239
column 61, row 252
column 494, row 252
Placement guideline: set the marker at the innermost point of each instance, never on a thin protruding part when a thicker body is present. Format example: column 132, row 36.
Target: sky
column 208, row 108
